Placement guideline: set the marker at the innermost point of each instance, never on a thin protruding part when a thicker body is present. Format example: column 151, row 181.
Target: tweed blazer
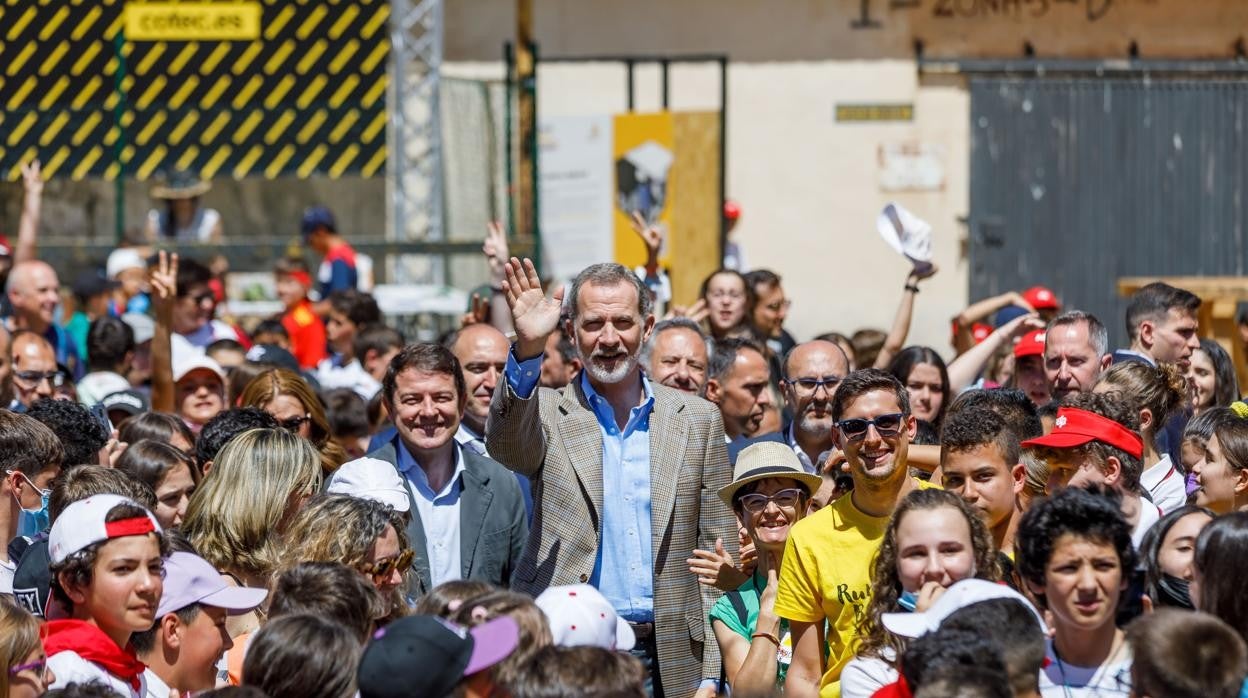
column 554, row 438
column 493, row 526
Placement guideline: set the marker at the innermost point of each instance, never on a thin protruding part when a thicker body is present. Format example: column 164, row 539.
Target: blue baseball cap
column 317, row 217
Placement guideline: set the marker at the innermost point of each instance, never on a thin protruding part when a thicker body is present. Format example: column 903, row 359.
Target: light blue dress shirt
column 624, row 568
column 439, row 516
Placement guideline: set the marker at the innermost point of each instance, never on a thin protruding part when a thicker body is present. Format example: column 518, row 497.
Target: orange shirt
column 307, row 334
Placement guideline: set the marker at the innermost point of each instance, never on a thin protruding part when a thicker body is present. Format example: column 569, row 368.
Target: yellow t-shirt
column 827, row 575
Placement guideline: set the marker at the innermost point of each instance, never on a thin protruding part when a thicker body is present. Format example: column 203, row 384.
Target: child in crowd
column 271, row 332
column 182, row 649
column 349, row 312
column 171, row 473
column 305, row 328
column 200, row 385
column 303, row 656
column 26, row 666
column 1185, row 655
column 107, row 572
column 428, row 656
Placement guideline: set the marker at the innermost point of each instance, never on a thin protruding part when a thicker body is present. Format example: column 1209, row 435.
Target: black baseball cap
column 92, row 283
column 131, row 402
column 32, row 580
column 426, row 657
column 273, row 355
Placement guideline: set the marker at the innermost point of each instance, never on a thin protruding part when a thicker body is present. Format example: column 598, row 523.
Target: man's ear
column 170, row 630
column 714, row 391
column 1112, row 470
column 1019, row 475
column 1146, row 333
column 1106, row 360
column 647, row 327
column 912, row 426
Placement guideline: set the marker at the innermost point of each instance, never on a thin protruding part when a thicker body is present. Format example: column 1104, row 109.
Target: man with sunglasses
column 812, row 371
column 35, row 374
column 195, row 308
column 826, row 575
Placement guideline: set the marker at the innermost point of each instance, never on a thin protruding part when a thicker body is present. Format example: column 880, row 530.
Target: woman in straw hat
column 183, row 219
column 769, row 493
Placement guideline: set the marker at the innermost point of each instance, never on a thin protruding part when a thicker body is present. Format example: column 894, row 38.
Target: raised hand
column 651, row 236
column 533, row 315
column 495, row 249
column 696, row 312
column 479, row 313
column 32, row 177
column 164, row 279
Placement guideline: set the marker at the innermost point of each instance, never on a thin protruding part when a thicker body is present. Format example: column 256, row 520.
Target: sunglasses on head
column 885, row 424
column 383, row 568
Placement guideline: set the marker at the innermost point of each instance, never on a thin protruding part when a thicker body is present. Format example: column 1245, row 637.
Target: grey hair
column 676, row 323
column 1097, row 333
column 608, row 274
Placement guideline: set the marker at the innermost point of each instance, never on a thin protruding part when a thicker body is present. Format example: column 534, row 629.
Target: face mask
column 908, row 600
column 32, row 521
column 1175, row 592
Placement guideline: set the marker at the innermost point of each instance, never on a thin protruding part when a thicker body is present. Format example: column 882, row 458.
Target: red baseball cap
column 1075, row 427
column 980, row 331
column 1032, row 344
column 1041, row 298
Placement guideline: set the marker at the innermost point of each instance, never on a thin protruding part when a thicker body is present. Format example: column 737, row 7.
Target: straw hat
column 764, row 460
column 180, row 184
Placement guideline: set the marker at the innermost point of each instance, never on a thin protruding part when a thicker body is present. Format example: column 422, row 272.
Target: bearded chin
column 602, row 375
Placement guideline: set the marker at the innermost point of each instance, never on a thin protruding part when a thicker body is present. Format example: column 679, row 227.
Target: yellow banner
column 643, row 155
column 192, row 21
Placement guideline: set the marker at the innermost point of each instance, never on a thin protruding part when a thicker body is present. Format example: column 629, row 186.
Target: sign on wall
column 259, row 88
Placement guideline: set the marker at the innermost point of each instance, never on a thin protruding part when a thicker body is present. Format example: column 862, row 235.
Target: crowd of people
column 593, row 491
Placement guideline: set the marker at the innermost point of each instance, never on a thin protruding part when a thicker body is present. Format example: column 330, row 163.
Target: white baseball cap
column 144, row 327
column 580, row 615
column 82, row 524
column 188, row 362
column 956, row 597
column 121, row 259
column 370, row 478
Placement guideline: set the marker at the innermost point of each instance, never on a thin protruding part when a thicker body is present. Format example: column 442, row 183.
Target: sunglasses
column 810, row 385
column 293, row 423
column 885, row 424
column 38, row 667
column 55, row 378
column 383, row 568
column 785, row 499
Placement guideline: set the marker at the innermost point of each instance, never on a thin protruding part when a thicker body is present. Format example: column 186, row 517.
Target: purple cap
column 192, row 579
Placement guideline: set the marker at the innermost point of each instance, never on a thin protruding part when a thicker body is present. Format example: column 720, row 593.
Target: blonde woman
column 239, row 515
column 362, row 534
column 291, row 401
column 27, row 673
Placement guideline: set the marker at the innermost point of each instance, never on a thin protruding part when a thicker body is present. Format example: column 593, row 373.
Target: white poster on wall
column 575, row 193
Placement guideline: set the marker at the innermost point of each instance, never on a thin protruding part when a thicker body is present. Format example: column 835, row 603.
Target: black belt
column 643, row 631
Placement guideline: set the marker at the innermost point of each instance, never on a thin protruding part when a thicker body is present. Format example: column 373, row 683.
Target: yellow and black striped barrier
column 243, row 88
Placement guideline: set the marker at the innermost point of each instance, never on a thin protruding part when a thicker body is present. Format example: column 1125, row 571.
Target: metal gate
column 1076, row 182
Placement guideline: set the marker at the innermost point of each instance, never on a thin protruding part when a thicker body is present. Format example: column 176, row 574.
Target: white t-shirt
column 1165, row 485
column 863, row 676
column 1149, row 515
column 156, row 687
column 1063, row 680
column 95, row 386
column 7, row 569
column 69, row 668
column 331, row 375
